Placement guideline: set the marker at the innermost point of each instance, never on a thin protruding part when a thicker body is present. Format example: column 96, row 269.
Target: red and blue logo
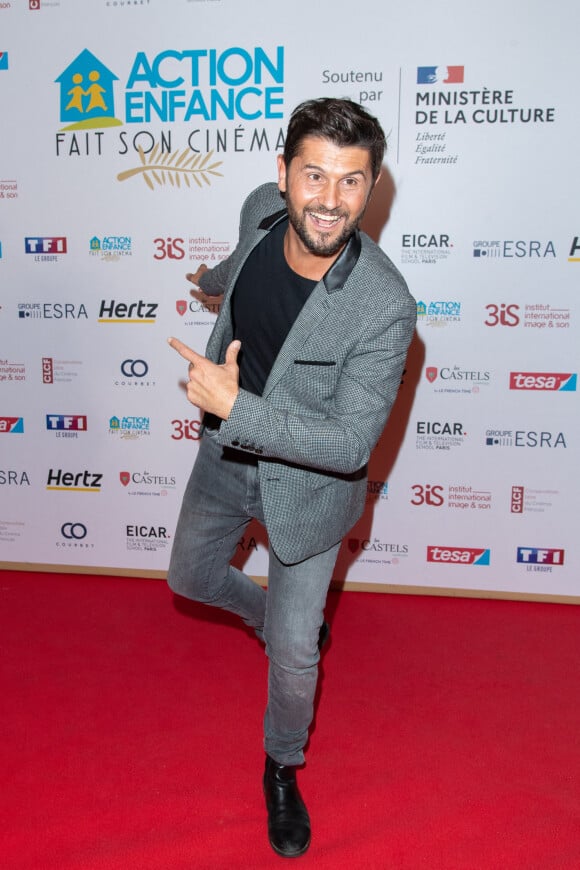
column 540, row 556
column 445, row 75
column 12, row 425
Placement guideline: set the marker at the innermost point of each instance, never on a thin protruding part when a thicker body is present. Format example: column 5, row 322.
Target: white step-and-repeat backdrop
column 131, row 132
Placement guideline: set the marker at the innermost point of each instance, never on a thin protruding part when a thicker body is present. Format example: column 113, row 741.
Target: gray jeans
column 221, row 498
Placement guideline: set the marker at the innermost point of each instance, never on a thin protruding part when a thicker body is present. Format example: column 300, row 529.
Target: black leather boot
column 288, row 820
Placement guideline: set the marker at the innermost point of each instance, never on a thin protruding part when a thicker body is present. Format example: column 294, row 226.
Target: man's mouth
column 325, row 221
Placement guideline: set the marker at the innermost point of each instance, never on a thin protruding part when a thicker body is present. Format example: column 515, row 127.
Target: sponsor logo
column 378, row 489
column 523, row 438
column 438, row 313
column 129, row 427
column 457, row 497
column 8, row 189
column 12, row 425
column 3, row 60
column 539, row 316
column 134, row 374
column 203, row 312
column 457, row 379
column 123, row 312
column 543, row 381
column 76, row 531
column 144, row 483
column 147, row 538
column 169, row 248
column 537, row 556
column 425, row 248
column 574, row 255
column 86, row 94
column 111, row 248
column 66, row 422
column 45, row 249
column 459, row 555
column 11, row 477
column 34, row 5
column 204, row 249
column 377, row 551
column 11, row 372
column 529, row 500
column 56, row 371
column 439, row 435
column 51, row 311
column 186, row 429
column 447, row 75
column 73, row 481
column 513, row 249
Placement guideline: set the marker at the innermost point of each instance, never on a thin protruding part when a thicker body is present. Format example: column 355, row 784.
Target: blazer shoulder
column 377, row 271
column 262, row 202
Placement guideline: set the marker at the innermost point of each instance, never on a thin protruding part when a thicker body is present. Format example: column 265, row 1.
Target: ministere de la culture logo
column 208, row 100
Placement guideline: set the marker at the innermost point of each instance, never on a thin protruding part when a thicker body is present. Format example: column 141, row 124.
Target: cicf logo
column 574, row 255
column 181, row 306
column 458, row 555
column 431, row 374
column 124, row 477
column 47, row 370
column 447, row 75
column 86, row 94
column 536, row 556
column 517, row 505
column 543, row 381
column 12, row 425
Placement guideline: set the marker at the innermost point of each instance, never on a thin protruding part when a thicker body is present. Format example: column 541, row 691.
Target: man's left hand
column 213, row 388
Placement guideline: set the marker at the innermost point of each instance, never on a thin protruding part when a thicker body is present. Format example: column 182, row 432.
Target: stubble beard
column 318, row 243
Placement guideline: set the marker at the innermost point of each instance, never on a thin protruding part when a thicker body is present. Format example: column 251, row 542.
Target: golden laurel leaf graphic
column 174, row 168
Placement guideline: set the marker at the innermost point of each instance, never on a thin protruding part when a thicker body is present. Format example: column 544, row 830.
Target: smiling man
column 297, row 383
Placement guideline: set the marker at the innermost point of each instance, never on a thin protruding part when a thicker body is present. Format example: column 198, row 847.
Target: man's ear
column 281, row 173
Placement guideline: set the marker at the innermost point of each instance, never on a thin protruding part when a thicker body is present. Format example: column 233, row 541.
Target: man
column 300, row 373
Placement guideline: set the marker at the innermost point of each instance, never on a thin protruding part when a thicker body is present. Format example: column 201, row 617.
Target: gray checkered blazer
column 330, row 390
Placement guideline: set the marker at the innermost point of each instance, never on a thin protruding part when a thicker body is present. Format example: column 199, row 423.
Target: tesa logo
column 553, row 381
column 458, row 555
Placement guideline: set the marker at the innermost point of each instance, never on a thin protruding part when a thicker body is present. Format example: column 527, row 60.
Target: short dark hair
column 341, row 121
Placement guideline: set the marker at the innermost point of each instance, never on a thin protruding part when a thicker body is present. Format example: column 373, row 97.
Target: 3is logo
column 188, row 429
column 429, row 494
column 168, row 248
column 502, row 315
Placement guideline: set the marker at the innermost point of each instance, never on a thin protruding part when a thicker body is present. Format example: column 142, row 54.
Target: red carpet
column 447, row 736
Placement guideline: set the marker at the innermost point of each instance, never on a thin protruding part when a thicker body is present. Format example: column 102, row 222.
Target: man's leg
column 294, row 615
column 217, row 506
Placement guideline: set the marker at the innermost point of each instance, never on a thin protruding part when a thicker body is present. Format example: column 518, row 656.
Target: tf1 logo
column 502, row 315
column 169, row 248
column 538, row 556
column 430, row 494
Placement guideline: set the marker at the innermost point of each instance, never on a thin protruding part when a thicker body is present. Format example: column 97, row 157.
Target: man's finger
column 184, row 351
column 232, row 352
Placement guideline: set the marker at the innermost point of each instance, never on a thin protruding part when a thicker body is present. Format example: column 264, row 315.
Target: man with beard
column 298, row 380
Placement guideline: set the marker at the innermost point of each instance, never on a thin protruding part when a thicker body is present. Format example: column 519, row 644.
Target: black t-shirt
column 267, row 299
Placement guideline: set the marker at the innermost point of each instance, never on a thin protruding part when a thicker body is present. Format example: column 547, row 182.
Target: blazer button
column 235, row 443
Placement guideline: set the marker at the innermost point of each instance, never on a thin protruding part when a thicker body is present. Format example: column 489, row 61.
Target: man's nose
column 330, row 196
